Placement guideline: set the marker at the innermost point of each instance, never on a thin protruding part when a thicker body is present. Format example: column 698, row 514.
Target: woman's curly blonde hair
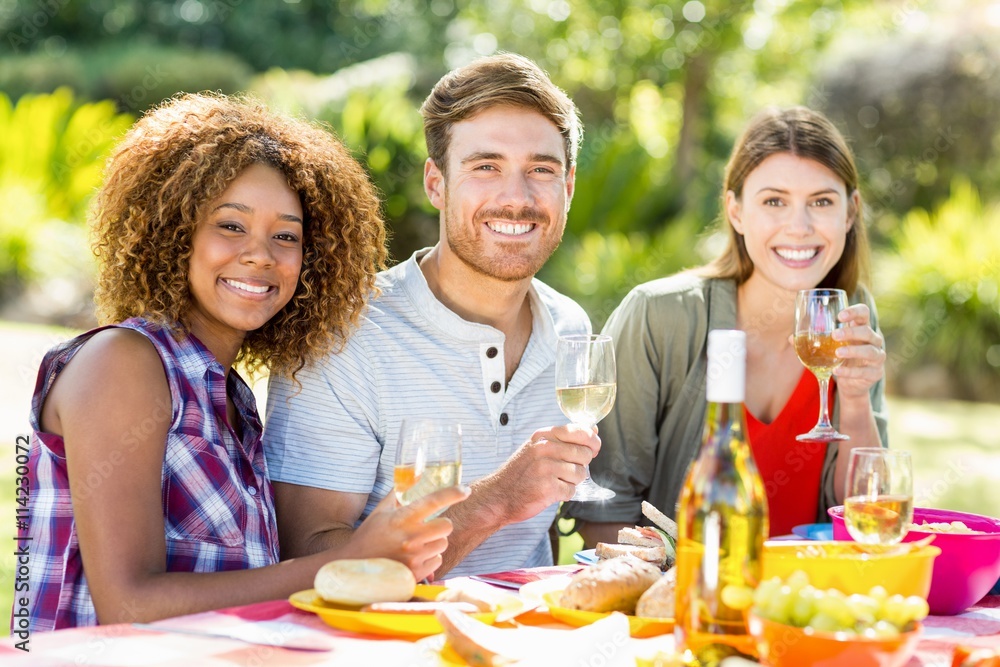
column 183, row 155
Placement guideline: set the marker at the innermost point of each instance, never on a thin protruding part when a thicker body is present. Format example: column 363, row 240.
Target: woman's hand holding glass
column 428, row 458
column 862, row 351
column 833, row 339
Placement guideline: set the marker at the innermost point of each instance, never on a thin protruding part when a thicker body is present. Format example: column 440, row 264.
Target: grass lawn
column 956, row 458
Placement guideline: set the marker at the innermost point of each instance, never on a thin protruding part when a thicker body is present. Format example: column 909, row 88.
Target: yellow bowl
column 846, row 567
column 781, row 645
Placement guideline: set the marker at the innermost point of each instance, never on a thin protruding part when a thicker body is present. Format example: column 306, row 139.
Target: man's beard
column 517, row 261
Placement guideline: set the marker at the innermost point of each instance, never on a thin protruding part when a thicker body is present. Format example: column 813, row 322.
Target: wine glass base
column 822, row 435
column 588, row 490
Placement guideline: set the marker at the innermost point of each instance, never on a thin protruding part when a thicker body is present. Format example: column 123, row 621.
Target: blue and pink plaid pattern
column 218, row 506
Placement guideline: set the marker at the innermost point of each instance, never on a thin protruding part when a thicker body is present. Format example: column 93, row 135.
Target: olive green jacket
column 655, row 429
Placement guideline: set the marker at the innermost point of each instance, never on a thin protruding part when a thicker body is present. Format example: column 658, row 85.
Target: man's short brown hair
column 505, row 79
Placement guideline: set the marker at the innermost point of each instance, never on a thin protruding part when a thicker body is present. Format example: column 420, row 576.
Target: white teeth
column 510, row 228
column 248, row 288
column 796, row 255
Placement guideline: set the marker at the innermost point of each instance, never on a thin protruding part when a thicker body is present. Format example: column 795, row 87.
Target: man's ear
column 734, row 211
column 434, row 184
column 570, row 185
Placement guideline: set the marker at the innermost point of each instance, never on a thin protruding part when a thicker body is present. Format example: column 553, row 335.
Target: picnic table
column 167, row 643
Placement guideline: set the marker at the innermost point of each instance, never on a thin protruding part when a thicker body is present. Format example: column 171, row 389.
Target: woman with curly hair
column 226, row 235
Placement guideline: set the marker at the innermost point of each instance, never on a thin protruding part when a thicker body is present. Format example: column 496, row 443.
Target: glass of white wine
column 428, row 458
column 816, row 313
column 878, row 505
column 585, row 389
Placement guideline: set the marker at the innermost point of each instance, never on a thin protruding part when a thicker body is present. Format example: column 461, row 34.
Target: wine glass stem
column 586, row 425
column 824, row 408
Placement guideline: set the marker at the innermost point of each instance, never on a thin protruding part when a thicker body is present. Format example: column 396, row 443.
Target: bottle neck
column 726, row 428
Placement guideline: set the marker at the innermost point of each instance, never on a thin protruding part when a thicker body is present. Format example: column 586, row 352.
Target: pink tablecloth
column 126, row 645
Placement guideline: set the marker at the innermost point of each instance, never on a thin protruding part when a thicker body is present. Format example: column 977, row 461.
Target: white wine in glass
column 428, row 458
column 586, row 384
column 816, row 313
column 878, row 505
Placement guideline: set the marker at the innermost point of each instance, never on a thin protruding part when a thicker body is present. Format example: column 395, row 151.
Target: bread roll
column 658, row 600
column 364, row 581
column 610, row 585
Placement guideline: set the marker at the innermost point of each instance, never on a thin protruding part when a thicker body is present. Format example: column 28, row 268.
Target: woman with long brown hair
column 792, row 214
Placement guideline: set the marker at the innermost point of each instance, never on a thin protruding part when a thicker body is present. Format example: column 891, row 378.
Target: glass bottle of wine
column 721, row 516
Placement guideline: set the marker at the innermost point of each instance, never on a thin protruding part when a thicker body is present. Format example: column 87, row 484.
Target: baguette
column 658, row 600
column 610, row 585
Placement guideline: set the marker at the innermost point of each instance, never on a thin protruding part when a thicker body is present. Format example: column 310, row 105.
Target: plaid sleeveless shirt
column 218, row 505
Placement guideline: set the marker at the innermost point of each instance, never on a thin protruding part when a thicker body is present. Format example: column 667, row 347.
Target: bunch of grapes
column 876, row 615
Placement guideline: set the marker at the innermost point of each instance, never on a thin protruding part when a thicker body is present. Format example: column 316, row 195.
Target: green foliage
column 940, row 293
column 915, row 128
column 319, row 35
column 598, row 270
column 52, row 153
column 368, row 107
column 135, row 76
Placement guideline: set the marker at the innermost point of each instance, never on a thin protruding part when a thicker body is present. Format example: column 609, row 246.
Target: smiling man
column 462, row 332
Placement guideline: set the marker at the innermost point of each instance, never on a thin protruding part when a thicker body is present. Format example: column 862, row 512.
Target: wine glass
column 585, row 390
column 816, row 313
column 878, row 504
column 429, row 457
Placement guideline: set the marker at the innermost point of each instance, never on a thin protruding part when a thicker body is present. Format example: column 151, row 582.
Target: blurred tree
column 52, row 153
column 922, row 109
column 369, row 108
column 317, row 35
column 939, row 296
column 135, row 76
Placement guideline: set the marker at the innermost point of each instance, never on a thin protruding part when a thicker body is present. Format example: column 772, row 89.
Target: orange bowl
column 846, row 567
column 780, row 645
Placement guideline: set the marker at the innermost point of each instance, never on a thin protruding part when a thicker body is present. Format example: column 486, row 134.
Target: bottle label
column 727, row 362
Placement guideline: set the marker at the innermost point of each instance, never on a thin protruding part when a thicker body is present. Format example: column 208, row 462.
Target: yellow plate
column 639, row 626
column 405, row 626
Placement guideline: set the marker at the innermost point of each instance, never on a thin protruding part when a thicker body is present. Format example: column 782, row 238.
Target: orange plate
column 783, row 645
column 404, row 626
column 639, row 626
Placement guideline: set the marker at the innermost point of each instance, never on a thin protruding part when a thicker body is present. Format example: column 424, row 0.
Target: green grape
column 737, row 597
column 864, row 608
column 804, row 605
column 765, row 590
column 796, row 580
column 878, row 593
column 779, row 605
column 824, row 623
column 918, row 608
column 885, row 629
column 896, row 611
column 834, row 605
column 796, row 602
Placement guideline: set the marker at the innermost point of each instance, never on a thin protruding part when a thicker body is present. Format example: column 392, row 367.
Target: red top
column 791, row 470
